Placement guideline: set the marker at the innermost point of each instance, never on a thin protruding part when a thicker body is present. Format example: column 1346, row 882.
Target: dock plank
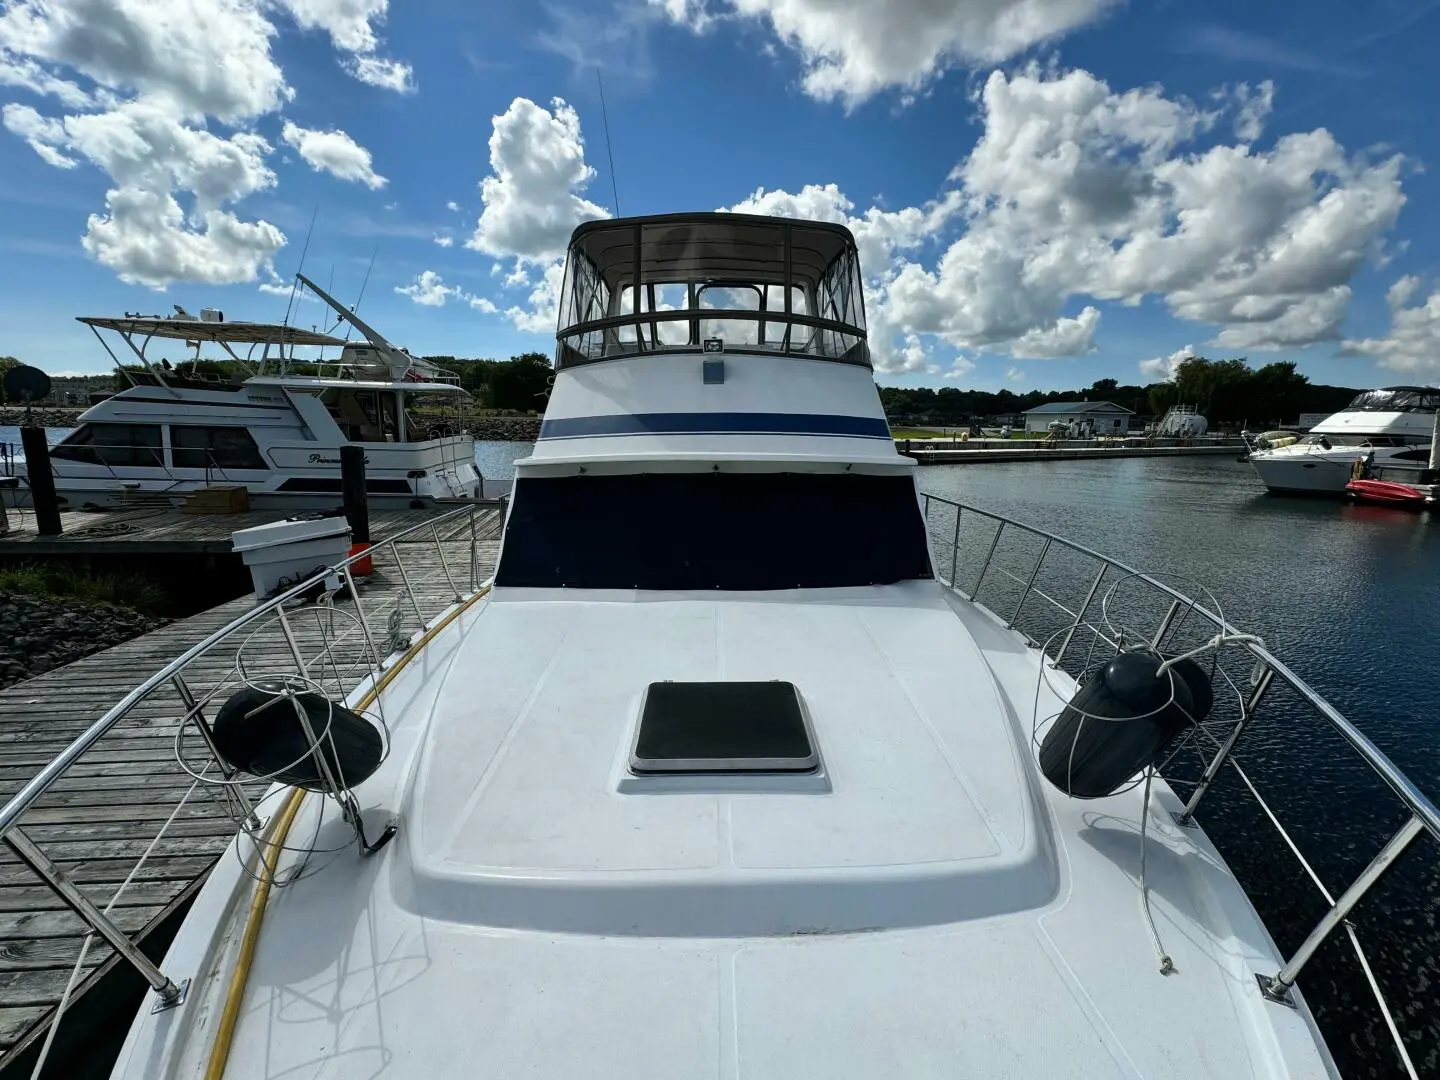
column 104, row 814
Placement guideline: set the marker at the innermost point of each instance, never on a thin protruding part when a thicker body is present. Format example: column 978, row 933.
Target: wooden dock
column 102, row 815
column 164, row 530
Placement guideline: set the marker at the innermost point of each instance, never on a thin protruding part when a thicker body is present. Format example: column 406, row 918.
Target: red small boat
column 1386, row 492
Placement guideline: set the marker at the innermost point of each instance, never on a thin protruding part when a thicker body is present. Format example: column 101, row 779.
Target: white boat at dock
column 749, row 761
column 277, row 428
column 1389, row 427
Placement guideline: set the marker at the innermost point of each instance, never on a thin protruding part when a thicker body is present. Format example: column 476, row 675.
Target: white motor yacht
column 1391, row 426
column 723, row 774
column 271, row 419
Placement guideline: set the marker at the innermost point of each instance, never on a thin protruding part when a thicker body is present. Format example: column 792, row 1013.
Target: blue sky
column 1046, row 192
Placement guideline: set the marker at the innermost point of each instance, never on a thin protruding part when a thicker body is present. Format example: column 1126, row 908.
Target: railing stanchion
column 405, row 579
column 1165, row 624
column 1212, row 770
column 444, row 563
column 364, row 623
column 1080, row 615
column 193, row 709
column 1277, row 988
column 988, row 556
column 295, row 653
column 955, row 549
column 171, row 993
column 474, row 555
column 1028, row 585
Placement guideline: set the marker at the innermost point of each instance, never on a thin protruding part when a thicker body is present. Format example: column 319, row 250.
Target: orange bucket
column 362, row 567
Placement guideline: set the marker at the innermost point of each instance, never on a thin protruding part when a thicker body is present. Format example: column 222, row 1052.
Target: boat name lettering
column 321, row 459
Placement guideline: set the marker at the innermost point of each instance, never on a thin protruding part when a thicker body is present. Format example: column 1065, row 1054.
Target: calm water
column 1349, row 597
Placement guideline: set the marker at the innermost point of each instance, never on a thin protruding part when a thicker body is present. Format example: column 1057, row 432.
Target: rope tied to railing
column 1219, row 641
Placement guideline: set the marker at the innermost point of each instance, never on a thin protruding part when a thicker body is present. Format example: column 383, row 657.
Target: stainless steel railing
column 451, row 575
column 945, row 519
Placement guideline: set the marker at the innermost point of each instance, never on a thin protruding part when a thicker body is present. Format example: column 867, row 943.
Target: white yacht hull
column 1313, row 469
column 395, row 476
column 1320, row 472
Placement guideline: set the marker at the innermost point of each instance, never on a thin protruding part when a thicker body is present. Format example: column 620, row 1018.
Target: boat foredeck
column 522, row 813
column 516, row 800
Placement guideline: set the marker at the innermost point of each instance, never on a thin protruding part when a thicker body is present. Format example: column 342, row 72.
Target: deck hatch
column 723, row 727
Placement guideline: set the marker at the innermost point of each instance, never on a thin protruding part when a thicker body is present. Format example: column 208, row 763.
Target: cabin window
column 113, row 444
column 714, row 531
column 730, row 298
column 193, row 447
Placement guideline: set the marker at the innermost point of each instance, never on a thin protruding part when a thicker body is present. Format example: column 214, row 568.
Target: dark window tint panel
column 723, row 727
column 113, row 444
column 742, row 531
column 195, row 447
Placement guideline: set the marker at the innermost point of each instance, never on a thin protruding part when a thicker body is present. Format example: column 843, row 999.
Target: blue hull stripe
column 714, row 423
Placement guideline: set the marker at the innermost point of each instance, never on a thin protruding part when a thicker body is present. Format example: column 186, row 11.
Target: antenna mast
column 303, row 251
column 614, row 187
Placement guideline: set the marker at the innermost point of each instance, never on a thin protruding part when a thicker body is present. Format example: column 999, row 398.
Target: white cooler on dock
column 285, row 553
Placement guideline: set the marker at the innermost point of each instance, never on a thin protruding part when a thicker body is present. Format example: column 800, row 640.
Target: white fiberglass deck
column 937, row 912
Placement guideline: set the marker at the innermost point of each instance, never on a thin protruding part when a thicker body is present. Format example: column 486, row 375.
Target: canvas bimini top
column 698, row 282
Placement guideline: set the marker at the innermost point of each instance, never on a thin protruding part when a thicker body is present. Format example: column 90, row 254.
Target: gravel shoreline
column 45, row 633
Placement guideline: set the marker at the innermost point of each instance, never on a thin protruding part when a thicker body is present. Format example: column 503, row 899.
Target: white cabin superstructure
column 270, row 418
column 719, row 776
column 1391, row 426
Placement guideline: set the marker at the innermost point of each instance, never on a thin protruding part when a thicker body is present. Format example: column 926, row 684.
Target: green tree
column 1161, row 396
column 6, row 363
column 523, row 383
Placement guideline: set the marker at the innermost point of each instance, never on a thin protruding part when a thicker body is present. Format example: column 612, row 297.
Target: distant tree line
column 1225, row 392
column 520, row 384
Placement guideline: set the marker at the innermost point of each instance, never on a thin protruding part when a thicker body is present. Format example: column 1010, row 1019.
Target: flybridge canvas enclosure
column 711, row 283
column 1396, row 399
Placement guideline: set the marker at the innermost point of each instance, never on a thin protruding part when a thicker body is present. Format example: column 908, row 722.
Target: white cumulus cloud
column 202, row 57
column 1413, row 343
column 532, row 198
column 386, row 74
column 334, row 152
column 429, row 290
column 145, row 235
column 144, row 83
column 1075, row 190
column 853, row 49
column 351, row 26
column 1164, row 368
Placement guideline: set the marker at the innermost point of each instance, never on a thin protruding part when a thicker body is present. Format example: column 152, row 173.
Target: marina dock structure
column 111, row 824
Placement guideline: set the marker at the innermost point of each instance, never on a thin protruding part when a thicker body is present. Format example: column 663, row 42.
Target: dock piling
column 42, row 481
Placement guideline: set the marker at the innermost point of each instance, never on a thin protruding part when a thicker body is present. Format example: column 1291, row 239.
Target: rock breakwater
column 43, row 633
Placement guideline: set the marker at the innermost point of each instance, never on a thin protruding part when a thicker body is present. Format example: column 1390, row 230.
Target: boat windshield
column 711, row 283
column 1396, row 399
